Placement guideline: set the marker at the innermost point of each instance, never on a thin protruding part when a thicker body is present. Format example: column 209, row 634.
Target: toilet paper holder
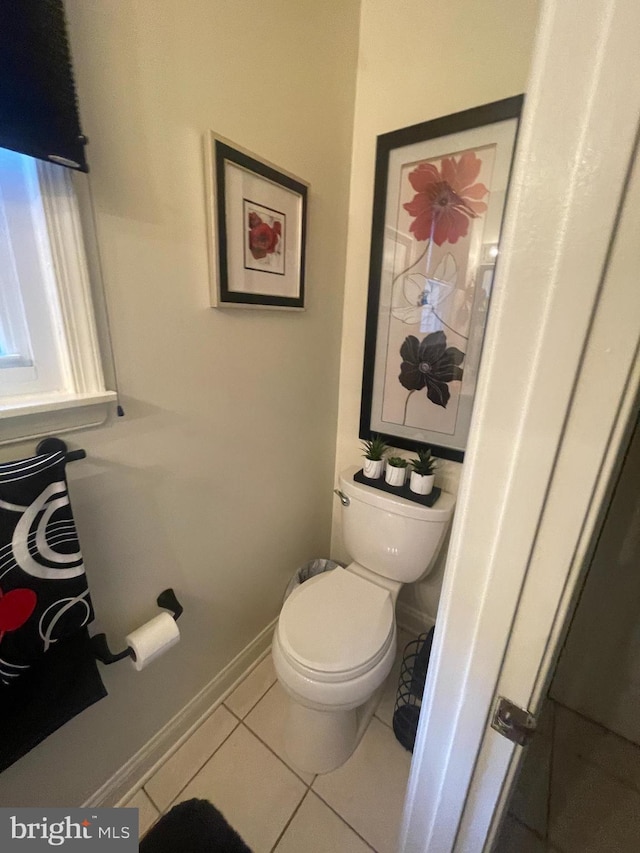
column 167, row 600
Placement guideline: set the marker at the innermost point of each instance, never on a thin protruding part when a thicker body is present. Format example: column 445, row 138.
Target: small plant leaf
column 374, row 448
column 397, row 462
column 425, row 464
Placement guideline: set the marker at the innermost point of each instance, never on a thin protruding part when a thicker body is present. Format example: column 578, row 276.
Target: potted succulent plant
column 422, row 476
column 374, row 451
column 396, row 470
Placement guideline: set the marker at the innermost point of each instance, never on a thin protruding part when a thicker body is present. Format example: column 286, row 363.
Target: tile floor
column 578, row 790
column 236, row 759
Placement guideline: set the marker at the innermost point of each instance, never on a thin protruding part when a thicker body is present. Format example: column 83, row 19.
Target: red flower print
column 16, row 606
column 263, row 238
column 446, row 199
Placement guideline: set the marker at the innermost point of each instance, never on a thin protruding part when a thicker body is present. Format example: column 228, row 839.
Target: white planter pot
column 395, row 476
column 421, row 484
column 372, row 468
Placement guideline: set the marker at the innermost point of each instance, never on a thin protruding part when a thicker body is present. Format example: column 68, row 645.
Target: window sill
column 25, row 419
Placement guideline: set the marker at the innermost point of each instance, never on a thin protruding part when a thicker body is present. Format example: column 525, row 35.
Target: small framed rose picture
column 439, row 198
column 257, row 220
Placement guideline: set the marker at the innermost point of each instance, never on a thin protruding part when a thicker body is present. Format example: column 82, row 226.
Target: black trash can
column 413, row 675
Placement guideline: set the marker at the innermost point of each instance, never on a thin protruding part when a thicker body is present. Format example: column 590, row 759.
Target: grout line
column 259, row 699
column 288, row 823
column 280, row 759
column 344, row 820
column 529, row 829
column 155, row 805
column 230, row 711
column 191, row 778
column 551, row 844
column 255, row 704
column 586, row 758
column 384, row 722
column 121, row 781
column 233, row 713
column 150, row 827
column 607, row 774
column 240, row 721
column 597, row 724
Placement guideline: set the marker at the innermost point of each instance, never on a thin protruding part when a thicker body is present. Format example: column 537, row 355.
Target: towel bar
column 167, row 598
column 55, row 445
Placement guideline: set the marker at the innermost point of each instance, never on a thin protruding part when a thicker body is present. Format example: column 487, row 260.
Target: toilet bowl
column 333, row 648
column 335, row 642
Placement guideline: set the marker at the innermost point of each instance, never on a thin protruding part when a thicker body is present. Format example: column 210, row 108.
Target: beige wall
column 418, row 60
column 218, row 480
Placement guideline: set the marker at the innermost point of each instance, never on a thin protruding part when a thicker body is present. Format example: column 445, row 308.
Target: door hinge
column 516, row 724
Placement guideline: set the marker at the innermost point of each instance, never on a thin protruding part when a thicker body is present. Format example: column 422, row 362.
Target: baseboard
column 141, row 766
column 413, row 620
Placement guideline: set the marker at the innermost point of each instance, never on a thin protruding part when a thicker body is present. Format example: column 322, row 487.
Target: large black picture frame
column 439, row 200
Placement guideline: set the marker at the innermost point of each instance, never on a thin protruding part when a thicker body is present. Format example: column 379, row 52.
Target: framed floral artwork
column 257, row 221
column 439, row 198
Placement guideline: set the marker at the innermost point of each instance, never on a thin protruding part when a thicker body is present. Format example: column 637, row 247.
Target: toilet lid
column 336, row 622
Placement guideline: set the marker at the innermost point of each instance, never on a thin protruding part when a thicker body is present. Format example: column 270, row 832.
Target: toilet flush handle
column 344, row 500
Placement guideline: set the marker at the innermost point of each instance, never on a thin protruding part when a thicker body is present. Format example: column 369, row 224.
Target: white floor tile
column 148, row 813
column 165, row 785
column 530, row 799
column 267, row 721
column 368, row 791
column 516, row 838
column 252, row 788
column 252, row 689
column 317, row 829
column 384, row 711
column 615, row 755
column 591, row 812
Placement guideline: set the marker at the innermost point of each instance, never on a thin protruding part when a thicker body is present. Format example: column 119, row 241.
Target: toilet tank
column 390, row 535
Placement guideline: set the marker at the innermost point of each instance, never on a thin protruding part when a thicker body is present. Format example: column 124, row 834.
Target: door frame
column 555, row 393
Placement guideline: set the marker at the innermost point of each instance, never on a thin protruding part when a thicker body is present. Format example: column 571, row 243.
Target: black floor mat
column 195, row 826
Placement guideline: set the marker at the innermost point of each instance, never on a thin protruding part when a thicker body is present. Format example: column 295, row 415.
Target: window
column 49, row 353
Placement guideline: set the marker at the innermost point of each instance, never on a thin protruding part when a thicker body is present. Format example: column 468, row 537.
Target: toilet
column 335, row 642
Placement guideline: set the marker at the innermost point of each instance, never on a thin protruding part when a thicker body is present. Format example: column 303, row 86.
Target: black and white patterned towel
column 44, row 596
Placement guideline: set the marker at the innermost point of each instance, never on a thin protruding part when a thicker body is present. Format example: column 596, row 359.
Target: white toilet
column 335, row 642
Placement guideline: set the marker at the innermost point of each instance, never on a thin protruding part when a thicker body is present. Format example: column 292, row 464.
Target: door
column 556, row 393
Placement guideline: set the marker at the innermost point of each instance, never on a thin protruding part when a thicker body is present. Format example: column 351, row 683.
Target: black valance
column 38, row 105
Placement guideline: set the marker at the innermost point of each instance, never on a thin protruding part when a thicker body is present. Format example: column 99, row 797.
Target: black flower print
column 430, row 364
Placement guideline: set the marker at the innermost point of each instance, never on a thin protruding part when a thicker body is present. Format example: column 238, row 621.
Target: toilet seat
column 336, row 626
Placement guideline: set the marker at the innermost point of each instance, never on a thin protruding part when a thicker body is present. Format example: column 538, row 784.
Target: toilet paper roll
column 152, row 639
